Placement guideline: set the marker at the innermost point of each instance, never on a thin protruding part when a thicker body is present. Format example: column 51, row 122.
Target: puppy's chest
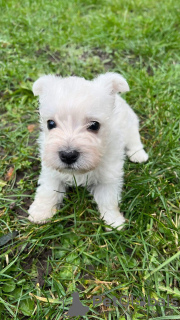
column 78, row 179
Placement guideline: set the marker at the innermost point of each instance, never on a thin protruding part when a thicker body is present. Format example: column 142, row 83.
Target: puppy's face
column 76, row 119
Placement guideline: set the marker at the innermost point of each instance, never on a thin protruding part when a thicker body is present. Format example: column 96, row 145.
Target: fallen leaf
column 45, row 299
column 31, row 127
column 9, row 174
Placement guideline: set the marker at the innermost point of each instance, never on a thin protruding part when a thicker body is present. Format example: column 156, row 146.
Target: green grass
column 39, row 265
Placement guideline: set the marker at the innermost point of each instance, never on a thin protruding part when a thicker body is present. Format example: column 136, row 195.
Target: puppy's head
column 76, row 119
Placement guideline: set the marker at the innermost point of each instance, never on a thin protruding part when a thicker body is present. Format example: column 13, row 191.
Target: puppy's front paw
column 138, row 156
column 39, row 213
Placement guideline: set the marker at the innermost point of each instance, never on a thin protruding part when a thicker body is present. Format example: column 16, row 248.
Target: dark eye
column 51, row 124
column 94, row 126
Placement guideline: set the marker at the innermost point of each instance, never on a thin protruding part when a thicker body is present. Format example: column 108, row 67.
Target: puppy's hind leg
column 133, row 146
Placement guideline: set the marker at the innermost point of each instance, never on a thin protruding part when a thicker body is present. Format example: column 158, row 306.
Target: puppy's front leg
column 107, row 197
column 49, row 193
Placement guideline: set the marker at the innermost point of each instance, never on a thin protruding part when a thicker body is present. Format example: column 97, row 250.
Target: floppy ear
column 114, row 82
column 41, row 85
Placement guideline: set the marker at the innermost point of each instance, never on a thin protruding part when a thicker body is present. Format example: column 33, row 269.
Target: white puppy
column 87, row 129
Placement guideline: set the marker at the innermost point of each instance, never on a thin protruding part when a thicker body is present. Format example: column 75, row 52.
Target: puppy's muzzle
column 69, row 157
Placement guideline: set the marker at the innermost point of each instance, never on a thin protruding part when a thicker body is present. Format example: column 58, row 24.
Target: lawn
column 42, row 265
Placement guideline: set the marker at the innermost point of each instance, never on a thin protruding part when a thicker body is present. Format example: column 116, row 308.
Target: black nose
column 69, row 157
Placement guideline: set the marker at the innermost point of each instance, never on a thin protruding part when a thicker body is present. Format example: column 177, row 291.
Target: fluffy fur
column 73, row 104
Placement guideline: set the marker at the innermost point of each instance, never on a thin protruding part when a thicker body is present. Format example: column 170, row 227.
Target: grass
column 43, row 265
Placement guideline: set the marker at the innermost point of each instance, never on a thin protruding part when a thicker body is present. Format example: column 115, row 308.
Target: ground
column 42, row 264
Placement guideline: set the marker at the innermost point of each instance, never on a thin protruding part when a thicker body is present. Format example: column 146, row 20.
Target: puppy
column 87, row 129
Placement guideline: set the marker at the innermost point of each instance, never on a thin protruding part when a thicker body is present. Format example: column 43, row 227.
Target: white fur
column 73, row 103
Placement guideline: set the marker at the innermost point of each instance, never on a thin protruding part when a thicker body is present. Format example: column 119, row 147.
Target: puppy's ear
column 41, row 85
column 114, row 82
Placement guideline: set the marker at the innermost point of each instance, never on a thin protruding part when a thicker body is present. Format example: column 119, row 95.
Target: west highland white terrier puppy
column 87, row 129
